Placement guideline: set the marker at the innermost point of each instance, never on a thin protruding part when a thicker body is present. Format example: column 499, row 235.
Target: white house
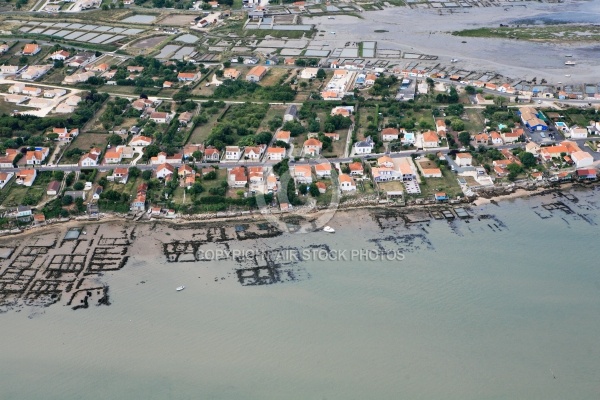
column 347, row 183
column 232, row 153
column 582, row 159
column 275, row 153
column 254, row 152
column 323, row 170
column 578, row 133
column 364, row 146
column 164, row 170
column 389, row 134
column 430, row 139
column 312, row 147
column 160, row 117
column 464, row 159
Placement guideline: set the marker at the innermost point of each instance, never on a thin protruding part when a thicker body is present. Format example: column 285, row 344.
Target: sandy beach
column 432, row 36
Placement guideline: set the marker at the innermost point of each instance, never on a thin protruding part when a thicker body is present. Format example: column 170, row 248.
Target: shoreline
column 311, row 215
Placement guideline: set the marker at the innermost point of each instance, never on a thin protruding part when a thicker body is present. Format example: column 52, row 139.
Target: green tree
column 470, row 89
column 303, row 188
column 134, row 172
column 528, row 160
column 147, row 175
column 457, row 124
column 321, row 74
column 67, row 200
column 464, row 138
column 78, row 185
column 314, row 190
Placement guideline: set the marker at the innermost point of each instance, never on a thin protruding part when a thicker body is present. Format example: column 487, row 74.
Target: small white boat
column 328, row 229
column 569, row 62
column 569, row 55
column 567, row 75
column 180, row 288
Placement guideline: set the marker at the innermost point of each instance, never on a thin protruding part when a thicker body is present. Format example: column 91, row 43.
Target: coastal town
column 193, row 113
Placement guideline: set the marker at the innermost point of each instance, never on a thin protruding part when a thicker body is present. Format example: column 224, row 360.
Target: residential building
column 78, row 77
column 231, row 73
column 211, row 154
column 254, row 152
column 4, row 178
column 385, row 161
column 347, row 183
column 334, row 136
column 113, row 156
column 389, row 134
column 309, row 73
column 8, row 159
column 482, row 138
column 119, row 175
column 97, row 192
column 532, row 148
column 160, row 117
column 59, row 55
column 582, row 159
column 496, row 138
column 284, row 136
column 139, row 142
column 464, row 159
column 430, row 139
column 291, row 113
column 35, row 71
column 31, row 49
column 37, row 156
column 165, row 171
column 185, row 118
column 531, row 119
column 237, row 177
column 513, row 136
column 345, row 111
column 89, row 160
column 73, row 100
column 356, row 169
column 276, row 153
column 323, row 170
column 364, row 146
column 578, row 133
column 188, row 76
column 190, row 149
column 15, row 98
column 440, row 126
column 312, row 147
column 26, row 177
column 233, row 153
column 65, row 135
column 64, row 108
column 139, row 203
column 256, row 73
column 163, row 158
column 31, row 91
column 302, row 173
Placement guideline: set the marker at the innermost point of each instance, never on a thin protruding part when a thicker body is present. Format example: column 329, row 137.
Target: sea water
column 504, row 305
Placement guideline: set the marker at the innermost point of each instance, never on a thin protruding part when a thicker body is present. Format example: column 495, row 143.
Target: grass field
column 201, row 132
column 37, row 191
column 86, row 141
column 558, row 33
column 274, row 111
column 447, row 183
column 7, row 108
column 273, row 76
